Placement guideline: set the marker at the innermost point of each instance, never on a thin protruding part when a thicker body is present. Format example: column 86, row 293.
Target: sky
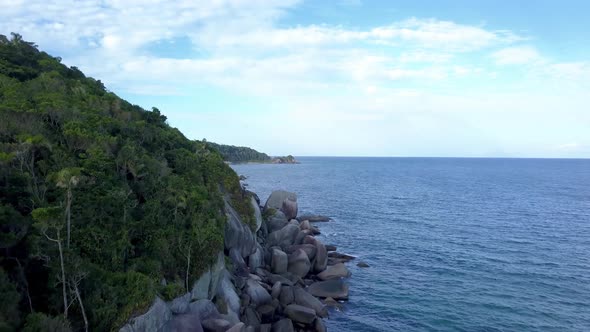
column 338, row 78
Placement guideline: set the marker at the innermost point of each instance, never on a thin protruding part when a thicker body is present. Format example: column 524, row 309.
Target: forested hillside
column 102, row 204
column 240, row 154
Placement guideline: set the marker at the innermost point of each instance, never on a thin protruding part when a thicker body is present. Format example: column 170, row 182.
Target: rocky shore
column 278, row 277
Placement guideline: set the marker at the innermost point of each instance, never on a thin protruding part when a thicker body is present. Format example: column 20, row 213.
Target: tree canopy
column 98, row 199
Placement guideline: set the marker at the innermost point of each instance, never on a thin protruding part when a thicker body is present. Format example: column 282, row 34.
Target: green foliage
column 240, row 154
column 39, row 322
column 9, row 313
column 138, row 195
column 171, row 290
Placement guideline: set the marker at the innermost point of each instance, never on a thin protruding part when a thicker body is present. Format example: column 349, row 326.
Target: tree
column 68, row 178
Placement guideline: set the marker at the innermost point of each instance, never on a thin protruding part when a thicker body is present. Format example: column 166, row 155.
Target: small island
column 241, row 155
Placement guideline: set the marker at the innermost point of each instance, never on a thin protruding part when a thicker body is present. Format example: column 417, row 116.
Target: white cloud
column 517, row 56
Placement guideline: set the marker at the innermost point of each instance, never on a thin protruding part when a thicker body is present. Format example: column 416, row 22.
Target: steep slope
column 102, row 203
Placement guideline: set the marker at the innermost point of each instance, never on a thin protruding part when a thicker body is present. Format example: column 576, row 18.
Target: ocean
column 453, row 244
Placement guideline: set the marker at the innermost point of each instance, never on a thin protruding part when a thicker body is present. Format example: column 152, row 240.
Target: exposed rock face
column 277, row 221
column 216, row 325
column 226, row 292
column 277, row 199
column 201, row 288
column 300, row 313
column 334, row 272
column 309, row 249
column 305, row 299
column 284, row 237
column 321, row 258
column 237, row 234
column 279, row 261
column 153, row 320
column 257, row 213
column 299, row 263
column 334, row 288
column 284, row 325
column 258, row 295
column 256, row 260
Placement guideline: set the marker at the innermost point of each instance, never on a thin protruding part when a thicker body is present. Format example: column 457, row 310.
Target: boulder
column 239, row 327
column 299, row 263
column 309, row 249
column 154, row 319
column 319, row 325
column 257, row 213
column 267, row 312
column 300, row 313
column 286, row 297
column 265, row 328
column 284, row 325
column 362, row 264
column 203, row 309
column 251, row 317
column 258, row 295
column 299, row 238
column 257, row 258
column 272, row 278
column 215, row 325
column 305, row 299
column 334, row 288
column 304, row 225
column 184, row 323
column 216, row 274
column 279, row 261
column 276, row 290
column 180, row 305
column 314, row 218
column 330, row 302
column 237, row 260
column 330, row 247
column 200, row 289
column 277, row 221
column 237, row 234
column 277, row 200
column 321, row 259
column 227, row 295
column 335, row 271
column 283, row 237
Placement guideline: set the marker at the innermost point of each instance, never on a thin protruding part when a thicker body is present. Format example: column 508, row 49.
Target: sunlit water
column 452, row 244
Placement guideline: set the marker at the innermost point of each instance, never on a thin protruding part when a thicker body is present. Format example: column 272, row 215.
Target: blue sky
column 348, row 77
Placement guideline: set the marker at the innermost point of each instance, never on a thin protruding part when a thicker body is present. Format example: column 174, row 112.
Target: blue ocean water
column 453, row 244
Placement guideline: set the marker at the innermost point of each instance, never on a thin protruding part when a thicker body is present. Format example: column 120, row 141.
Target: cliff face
column 103, row 206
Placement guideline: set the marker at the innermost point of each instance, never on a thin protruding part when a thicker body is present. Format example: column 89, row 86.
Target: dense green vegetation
column 100, row 200
column 240, row 154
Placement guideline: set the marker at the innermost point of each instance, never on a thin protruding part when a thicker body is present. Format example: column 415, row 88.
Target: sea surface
column 453, row 244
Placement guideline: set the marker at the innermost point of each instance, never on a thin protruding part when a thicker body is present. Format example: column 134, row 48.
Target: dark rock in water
column 338, row 255
column 305, row 299
column 215, row 325
column 279, row 261
column 300, row 313
column 319, row 325
column 284, row 325
column 321, row 258
column 284, row 237
column 330, row 302
column 334, row 288
column 286, row 297
column 243, row 177
column 314, row 218
column 335, row 271
column 330, row 247
column 299, row 263
column 277, row 198
column 362, row 264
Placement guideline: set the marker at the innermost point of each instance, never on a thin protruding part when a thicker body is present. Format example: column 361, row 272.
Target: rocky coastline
column 276, row 277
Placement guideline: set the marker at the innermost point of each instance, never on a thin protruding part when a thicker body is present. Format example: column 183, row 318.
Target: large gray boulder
column 284, row 325
column 299, row 263
column 258, row 295
column 251, row 318
column 287, row 296
column 305, row 299
column 277, row 221
column 284, row 201
column 184, row 323
column 283, row 237
column 309, row 249
column 201, row 287
column 180, row 305
column 216, row 325
column 334, row 272
column 216, row 274
column 257, row 258
column 334, row 288
column 257, row 213
column 203, row 309
column 300, row 313
column 239, row 327
column 321, row 259
column 153, row 320
column 279, row 261
column 226, row 292
column 237, row 234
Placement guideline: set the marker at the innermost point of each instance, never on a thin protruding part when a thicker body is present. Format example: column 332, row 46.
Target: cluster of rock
column 281, row 278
